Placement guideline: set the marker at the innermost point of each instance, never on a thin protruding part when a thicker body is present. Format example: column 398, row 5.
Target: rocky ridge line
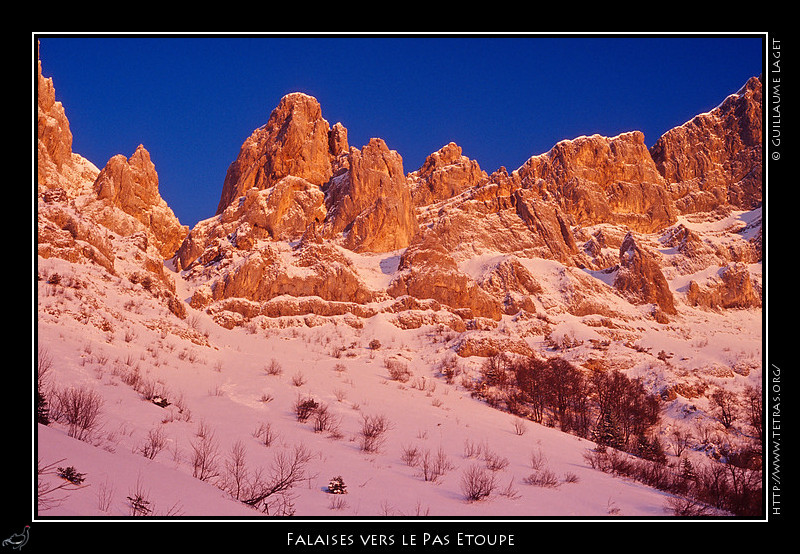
column 299, row 202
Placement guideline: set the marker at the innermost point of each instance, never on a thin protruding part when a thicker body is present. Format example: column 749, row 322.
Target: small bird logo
column 18, row 540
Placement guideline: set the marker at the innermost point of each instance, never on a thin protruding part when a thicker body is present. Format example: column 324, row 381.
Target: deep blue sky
column 193, row 101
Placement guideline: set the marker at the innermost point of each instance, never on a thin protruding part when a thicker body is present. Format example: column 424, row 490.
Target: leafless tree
column 272, row 494
column 204, row 457
column 236, row 470
column 755, row 404
column 726, row 403
column 680, row 441
column 80, row 409
column 44, row 366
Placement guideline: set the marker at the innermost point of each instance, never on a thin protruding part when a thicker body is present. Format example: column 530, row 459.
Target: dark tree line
column 609, row 407
column 616, row 411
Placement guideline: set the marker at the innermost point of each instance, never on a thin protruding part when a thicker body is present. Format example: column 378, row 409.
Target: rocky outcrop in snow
column 731, row 287
column 602, row 180
column 131, row 185
column 370, row 203
column 427, row 270
column 446, row 173
column 640, row 276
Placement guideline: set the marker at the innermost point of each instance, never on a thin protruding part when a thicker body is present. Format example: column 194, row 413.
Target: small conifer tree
column 607, row 432
column 337, row 486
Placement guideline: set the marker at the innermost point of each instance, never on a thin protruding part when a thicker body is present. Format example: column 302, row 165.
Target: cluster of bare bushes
column 728, row 486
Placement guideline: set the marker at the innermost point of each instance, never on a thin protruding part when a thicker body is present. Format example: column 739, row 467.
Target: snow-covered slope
column 224, row 384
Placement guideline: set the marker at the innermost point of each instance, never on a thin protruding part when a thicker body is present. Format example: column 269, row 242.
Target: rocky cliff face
column 602, row 180
column 294, row 141
column 114, row 217
column 370, row 203
column 308, row 225
column 131, row 186
column 59, row 171
column 715, row 159
column 446, row 173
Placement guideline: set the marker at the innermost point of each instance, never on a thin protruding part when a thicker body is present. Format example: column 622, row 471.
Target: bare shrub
column 304, row 407
column 373, row 432
column 139, row 501
column 324, row 420
column 477, row 483
column 448, row 367
column 570, row 477
column 203, row 429
column 266, row 397
column 538, row 460
column 472, row 450
column 509, row 491
column 265, row 434
column 686, row 507
column 273, row 368
column 398, row 371
column 337, row 502
column 434, row 467
column 542, row 478
column 151, row 390
column 410, row 455
column 155, row 442
column 495, row 462
column 43, row 367
column 298, row 379
column 184, row 411
column 105, row 494
column 80, row 409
